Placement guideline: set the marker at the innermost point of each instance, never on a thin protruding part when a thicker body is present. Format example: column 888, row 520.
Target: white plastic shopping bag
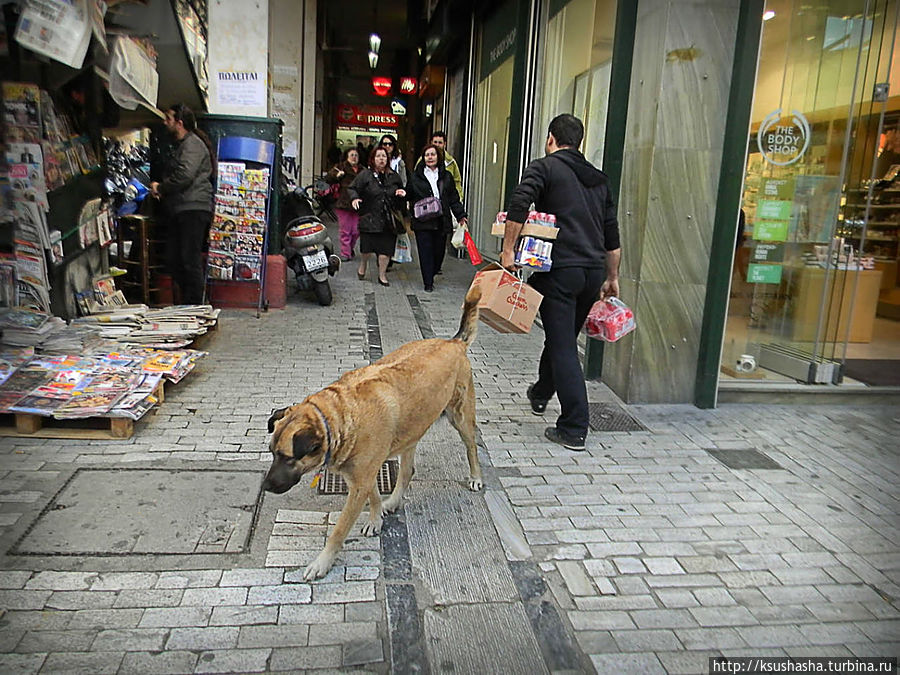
column 459, row 237
column 402, row 252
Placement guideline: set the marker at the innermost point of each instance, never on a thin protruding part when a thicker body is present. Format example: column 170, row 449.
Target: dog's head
column 298, row 445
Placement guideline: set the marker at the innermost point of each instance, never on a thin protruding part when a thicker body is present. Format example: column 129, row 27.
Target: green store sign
column 763, row 274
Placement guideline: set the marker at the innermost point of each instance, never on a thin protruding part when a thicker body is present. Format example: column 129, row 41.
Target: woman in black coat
column 430, row 179
column 373, row 193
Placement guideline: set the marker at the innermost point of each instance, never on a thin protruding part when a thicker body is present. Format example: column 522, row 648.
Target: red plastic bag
column 474, row 255
column 609, row 320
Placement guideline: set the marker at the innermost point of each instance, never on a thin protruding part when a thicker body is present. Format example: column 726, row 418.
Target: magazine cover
column 7, row 399
column 36, row 405
column 8, row 294
column 26, row 379
column 89, row 405
column 21, row 109
column 248, row 244
column 247, row 267
column 221, row 240
column 221, row 265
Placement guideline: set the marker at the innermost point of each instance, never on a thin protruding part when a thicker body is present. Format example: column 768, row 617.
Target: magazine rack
column 255, row 154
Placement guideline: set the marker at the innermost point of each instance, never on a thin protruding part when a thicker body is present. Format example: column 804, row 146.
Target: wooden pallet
column 28, row 425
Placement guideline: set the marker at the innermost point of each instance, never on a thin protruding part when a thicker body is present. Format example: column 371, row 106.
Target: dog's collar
column 327, row 434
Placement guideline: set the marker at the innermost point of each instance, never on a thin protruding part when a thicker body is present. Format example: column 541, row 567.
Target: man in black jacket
column 585, row 267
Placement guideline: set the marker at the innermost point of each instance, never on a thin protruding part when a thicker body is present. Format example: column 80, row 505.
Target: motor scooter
column 307, row 247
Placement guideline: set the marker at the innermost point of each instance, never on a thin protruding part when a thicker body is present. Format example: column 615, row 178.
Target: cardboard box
column 508, row 304
column 539, row 231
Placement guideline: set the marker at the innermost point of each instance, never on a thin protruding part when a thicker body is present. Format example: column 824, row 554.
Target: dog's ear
column 306, row 442
column 276, row 415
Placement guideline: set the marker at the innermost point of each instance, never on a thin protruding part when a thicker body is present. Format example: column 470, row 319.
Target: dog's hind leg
column 320, row 566
column 461, row 413
column 373, row 526
column 407, row 469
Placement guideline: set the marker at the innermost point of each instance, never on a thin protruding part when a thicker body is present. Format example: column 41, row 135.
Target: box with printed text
column 508, row 304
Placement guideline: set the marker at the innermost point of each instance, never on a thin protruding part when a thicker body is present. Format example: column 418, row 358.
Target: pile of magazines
column 109, row 384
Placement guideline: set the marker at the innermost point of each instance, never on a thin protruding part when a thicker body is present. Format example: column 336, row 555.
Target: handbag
column 428, row 208
column 396, row 221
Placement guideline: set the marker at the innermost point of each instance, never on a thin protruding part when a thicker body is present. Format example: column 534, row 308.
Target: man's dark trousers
column 188, row 232
column 569, row 293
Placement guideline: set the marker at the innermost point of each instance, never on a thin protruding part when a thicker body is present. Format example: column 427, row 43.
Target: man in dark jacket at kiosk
column 585, row 267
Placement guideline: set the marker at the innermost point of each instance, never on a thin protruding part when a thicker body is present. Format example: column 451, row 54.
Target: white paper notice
column 246, row 89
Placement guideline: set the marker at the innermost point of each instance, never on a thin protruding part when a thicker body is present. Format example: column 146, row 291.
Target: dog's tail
column 468, row 325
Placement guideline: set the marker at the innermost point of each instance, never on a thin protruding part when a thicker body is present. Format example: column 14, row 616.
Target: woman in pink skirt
column 348, row 219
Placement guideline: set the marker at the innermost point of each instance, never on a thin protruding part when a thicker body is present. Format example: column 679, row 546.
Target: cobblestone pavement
column 646, row 553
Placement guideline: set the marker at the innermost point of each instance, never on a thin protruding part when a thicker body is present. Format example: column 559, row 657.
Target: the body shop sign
column 366, row 116
column 783, row 139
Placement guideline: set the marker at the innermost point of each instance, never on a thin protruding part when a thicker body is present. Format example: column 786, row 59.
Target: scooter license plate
column 316, row 261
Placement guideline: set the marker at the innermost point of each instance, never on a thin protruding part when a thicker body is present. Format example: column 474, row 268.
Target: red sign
column 366, row 115
column 381, row 85
column 408, row 85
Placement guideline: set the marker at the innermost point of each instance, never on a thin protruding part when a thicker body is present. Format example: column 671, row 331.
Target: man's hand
column 609, row 289
column 400, row 193
column 464, row 222
column 154, row 189
column 511, row 232
column 355, row 204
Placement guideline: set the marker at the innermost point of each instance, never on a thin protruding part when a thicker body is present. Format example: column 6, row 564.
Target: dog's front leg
column 320, row 566
column 373, row 527
column 407, row 469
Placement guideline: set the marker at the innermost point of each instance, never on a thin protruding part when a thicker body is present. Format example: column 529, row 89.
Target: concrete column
column 238, row 57
column 683, row 58
column 293, row 95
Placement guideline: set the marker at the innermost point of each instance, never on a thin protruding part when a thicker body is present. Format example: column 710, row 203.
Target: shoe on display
column 538, row 405
column 562, row 438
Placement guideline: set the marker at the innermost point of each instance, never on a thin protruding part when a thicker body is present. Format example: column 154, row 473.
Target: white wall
column 238, row 51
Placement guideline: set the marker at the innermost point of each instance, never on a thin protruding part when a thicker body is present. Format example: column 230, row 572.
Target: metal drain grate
column 744, row 459
column 334, row 484
column 610, row 417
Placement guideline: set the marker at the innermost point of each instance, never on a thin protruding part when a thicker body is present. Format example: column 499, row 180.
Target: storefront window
column 576, row 71
column 490, row 140
column 816, row 257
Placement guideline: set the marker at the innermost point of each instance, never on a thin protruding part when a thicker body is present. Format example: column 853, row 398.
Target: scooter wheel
column 322, row 289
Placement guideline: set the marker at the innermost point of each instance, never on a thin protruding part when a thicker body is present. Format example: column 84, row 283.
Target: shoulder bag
column 428, row 208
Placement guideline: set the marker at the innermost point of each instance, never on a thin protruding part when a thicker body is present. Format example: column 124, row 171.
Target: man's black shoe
column 564, row 439
column 538, row 405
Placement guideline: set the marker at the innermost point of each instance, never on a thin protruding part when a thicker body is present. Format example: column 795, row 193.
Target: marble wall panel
column 680, row 216
column 663, row 363
column 633, row 199
column 646, row 73
column 681, row 75
column 696, row 75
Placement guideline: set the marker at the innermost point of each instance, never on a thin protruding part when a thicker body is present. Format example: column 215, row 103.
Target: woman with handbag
column 433, row 197
column 378, row 195
column 343, row 175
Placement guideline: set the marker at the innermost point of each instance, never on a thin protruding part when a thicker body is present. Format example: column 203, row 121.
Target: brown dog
column 372, row 414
